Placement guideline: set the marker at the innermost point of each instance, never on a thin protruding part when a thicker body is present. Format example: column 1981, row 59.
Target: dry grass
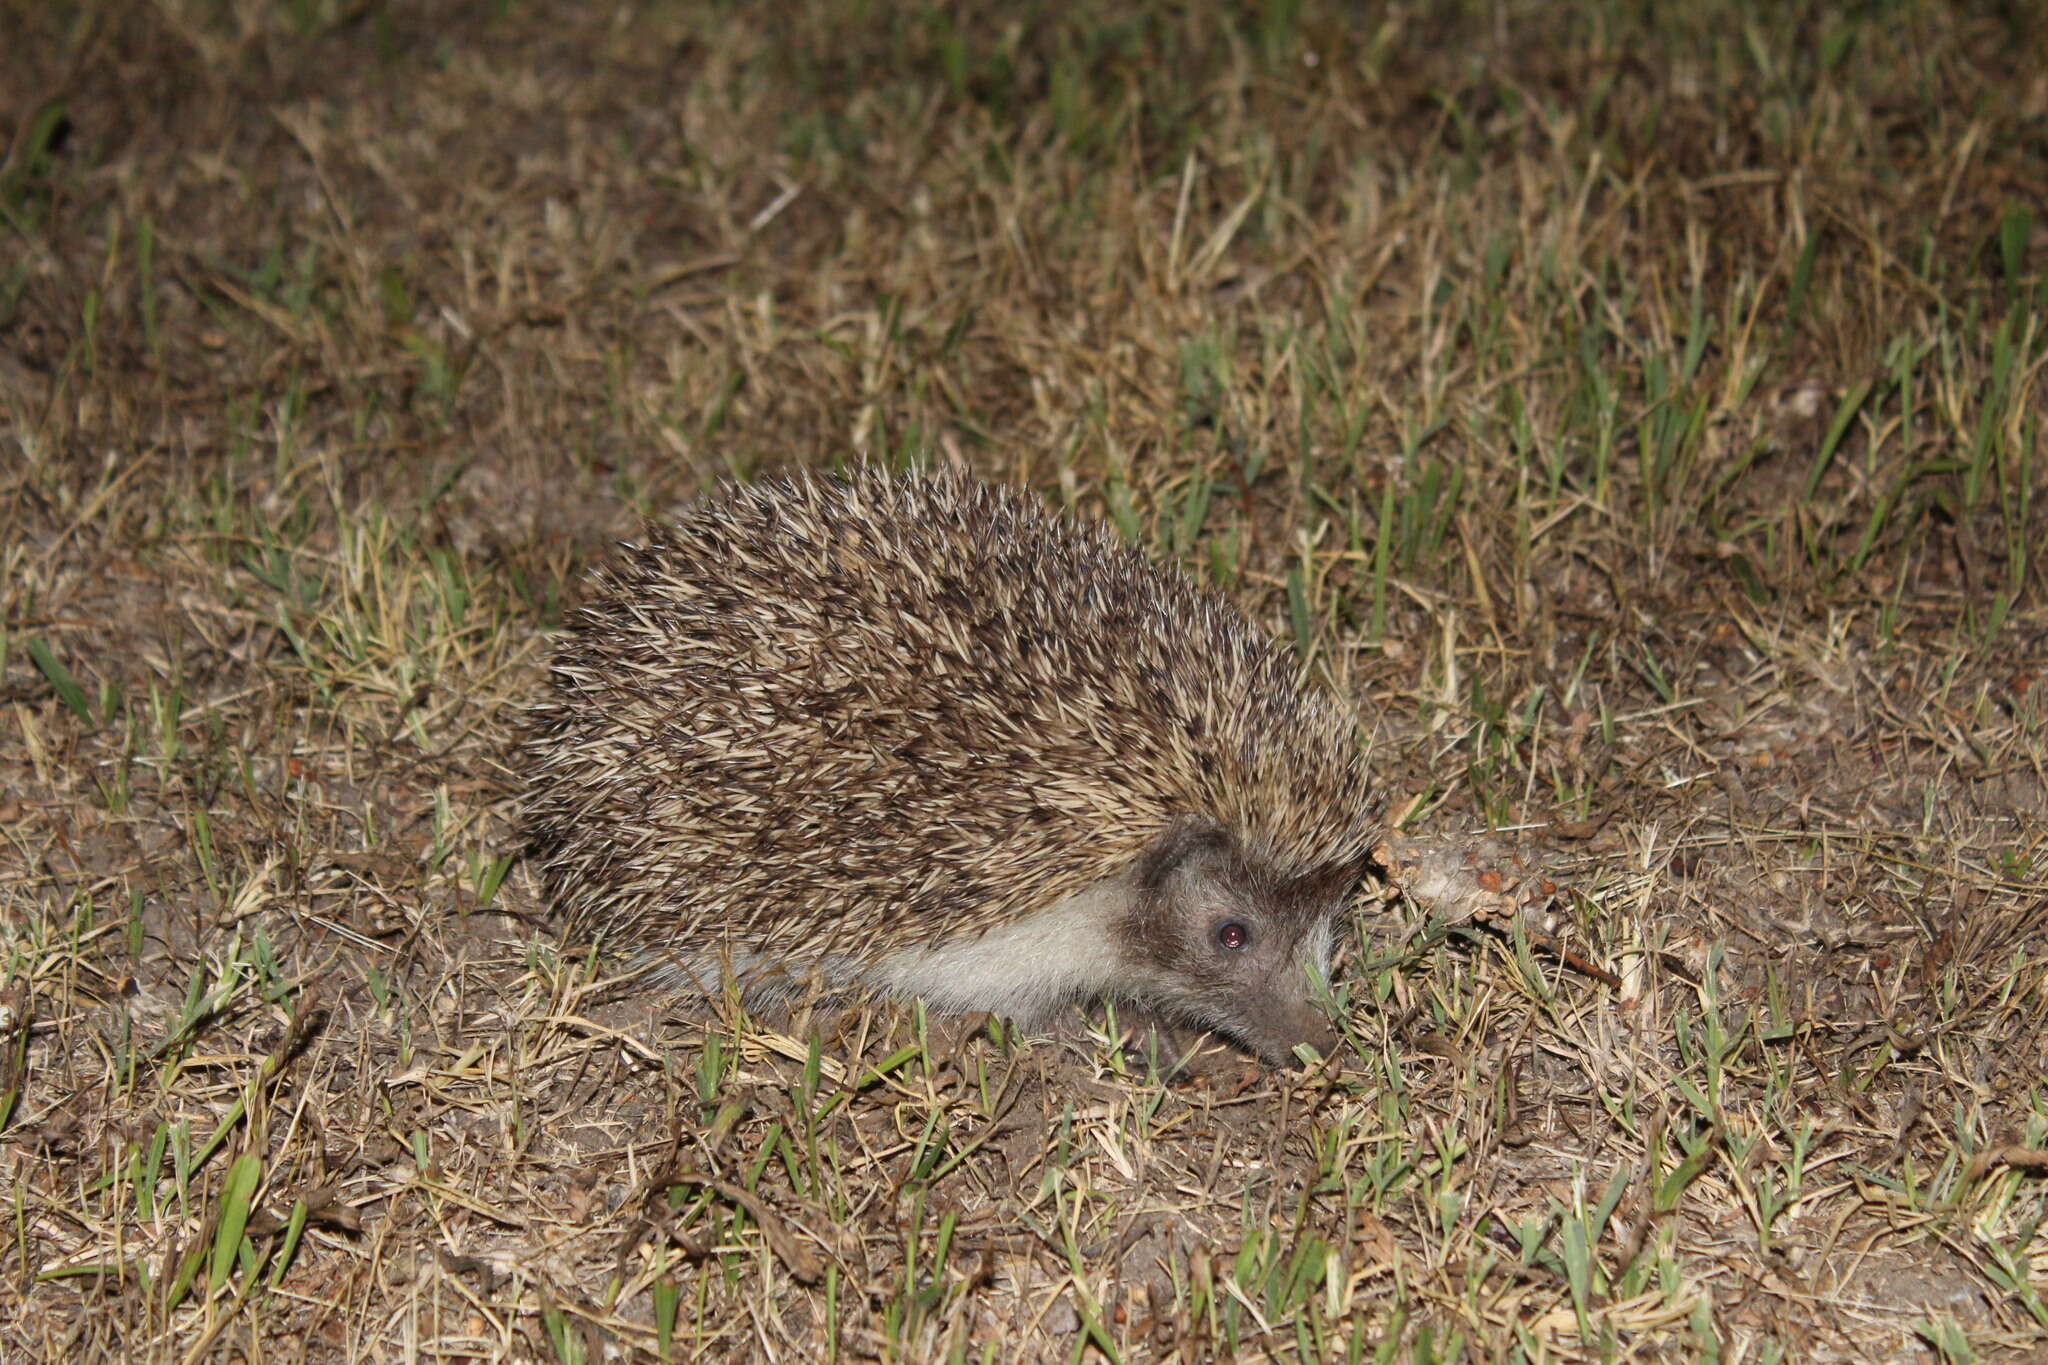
column 1639, row 416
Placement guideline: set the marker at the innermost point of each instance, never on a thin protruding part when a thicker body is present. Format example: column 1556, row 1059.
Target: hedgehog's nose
column 1288, row 1024
column 1321, row 1037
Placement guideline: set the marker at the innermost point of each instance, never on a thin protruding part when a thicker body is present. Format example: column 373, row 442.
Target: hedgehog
column 920, row 735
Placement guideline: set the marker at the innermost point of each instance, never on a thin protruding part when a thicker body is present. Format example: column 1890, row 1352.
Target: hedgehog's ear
column 1187, row 839
column 1329, row 885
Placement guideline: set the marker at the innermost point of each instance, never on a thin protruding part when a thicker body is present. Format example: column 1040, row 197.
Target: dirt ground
column 1634, row 411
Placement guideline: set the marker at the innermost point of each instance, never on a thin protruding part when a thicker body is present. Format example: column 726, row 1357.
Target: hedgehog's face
column 1221, row 941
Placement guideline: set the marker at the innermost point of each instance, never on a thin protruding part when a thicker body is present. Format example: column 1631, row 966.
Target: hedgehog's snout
column 1276, row 1027
column 1267, row 1001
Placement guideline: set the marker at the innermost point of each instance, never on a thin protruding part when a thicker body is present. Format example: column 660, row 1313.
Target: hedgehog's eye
column 1234, row 935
